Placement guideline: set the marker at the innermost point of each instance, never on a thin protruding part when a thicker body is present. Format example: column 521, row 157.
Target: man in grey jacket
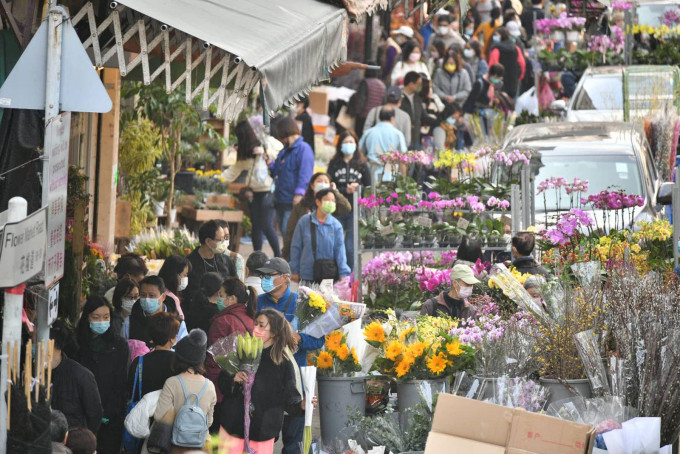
column 402, row 120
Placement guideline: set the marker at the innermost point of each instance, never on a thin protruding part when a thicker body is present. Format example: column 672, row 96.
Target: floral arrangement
column 410, row 157
column 671, row 17
column 315, row 314
column 604, row 43
column 208, row 181
column 423, row 351
column 622, row 5
column 617, row 206
column 337, row 359
column 161, row 243
column 660, row 33
column 568, row 227
column 561, row 22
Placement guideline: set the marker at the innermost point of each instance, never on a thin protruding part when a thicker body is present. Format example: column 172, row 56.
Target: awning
column 291, row 43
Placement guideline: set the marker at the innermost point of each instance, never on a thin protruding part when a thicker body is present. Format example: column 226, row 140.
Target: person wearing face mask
column 437, row 53
column 349, row 172
column 451, row 132
column 151, row 301
column 483, row 94
column 125, row 295
column 452, row 83
column 446, row 33
column 485, row 30
column 452, row 303
column 175, row 275
column 237, row 308
column 410, row 62
column 473, row 56
column 319, row 181
column 105, row 353
column 506, row 52
column 156, row 365
column 534, row 287
column 522, row 246
column 318, row 248
column 208, row 303
column 274, row 391
column 129, row 266
column 291, row 170
column 74, row 388
column 209, row 257
column 253, row 277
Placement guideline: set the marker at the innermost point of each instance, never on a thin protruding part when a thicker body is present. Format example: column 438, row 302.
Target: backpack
column 190, row 429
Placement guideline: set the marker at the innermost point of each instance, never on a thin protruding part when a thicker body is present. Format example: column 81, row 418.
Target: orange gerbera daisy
column 453, row 348
column 403, row 368
column 437, row 364
column 374, row 333
column 333, row 341
column 342, row 352
column 354, row 355
column 393, row 350
column 324, row 360
column 417, row 349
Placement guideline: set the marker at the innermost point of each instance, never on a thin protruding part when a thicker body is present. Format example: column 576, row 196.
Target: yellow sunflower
column 406, row 333
column 437, row 364
column 333, row 341
column 393, row 350
column 417, row 349
column 374, row 332
column 453, row 348
column 342, row 352
column 353, row 352
column 324, row 360
column 403, row 368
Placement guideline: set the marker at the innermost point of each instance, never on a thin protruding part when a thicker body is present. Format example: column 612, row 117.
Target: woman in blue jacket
column 330, row 242
column 291, row 171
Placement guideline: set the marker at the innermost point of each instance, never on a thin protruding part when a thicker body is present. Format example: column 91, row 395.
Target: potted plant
column 159, row 191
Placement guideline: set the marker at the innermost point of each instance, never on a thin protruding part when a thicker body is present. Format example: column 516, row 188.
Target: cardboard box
column 463, row 425
column 318, row 100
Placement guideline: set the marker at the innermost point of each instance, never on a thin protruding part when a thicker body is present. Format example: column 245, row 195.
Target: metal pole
column 515, row 209
column 676, row 218
column 628, row 37
column 526, row 197
column 11, row 320
column 355, row 235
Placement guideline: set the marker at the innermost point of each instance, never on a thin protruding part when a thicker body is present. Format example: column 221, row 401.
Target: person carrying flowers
column 453, row 303
column 276, row 275
column 274, row 389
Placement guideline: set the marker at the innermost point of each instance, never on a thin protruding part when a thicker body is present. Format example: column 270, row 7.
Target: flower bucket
column 487, row 387
column 411, row 393
column 557, row 35
column 338, row 398
column 573, row 35
column 558, row 390
column 158, row 207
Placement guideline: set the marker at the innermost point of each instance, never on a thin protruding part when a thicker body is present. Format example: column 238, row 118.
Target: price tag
column 423, row 221
column 386, row 230
column 463, row 223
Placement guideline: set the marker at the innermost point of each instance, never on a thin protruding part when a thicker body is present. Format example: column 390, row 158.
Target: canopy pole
column 265, row 111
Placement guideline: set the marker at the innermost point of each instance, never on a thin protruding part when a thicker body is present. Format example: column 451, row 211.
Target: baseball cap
column 463, row 273
column 404, row 30
column 513, row 29
column 393, row 94
column 275, row 265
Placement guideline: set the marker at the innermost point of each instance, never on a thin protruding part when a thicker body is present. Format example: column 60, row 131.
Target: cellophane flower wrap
column 236, row 353
column 320, row 313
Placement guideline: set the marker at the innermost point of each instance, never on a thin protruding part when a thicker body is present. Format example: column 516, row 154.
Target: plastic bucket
column 411, row 393
column 339, row 397
column 558, row 390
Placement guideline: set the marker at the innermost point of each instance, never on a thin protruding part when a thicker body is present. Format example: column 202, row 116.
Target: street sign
column 22, row 252
column 53, row 308
column 57, row 136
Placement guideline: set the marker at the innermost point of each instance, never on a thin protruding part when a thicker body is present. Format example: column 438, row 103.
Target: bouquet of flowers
column 337, row 359
column 236, row 353
column 318, row 316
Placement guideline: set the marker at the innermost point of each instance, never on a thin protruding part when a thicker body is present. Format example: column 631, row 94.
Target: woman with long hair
column 274, row 389
column 349, row 172
column 175, row 274
column 251, row 168
column 452, row 82
column 319, row 181
column 105, row 353
column 411, row 61
column 125, row 295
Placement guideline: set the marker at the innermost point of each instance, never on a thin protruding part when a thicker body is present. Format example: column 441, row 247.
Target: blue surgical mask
column 348, row 148
column 99, row 327
column 451, row 121
column 268, row 283
column 469, row 31
column 496, row 38
column 149, row 305
column 220, row 303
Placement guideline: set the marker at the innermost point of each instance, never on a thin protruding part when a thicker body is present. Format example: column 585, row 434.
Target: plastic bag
column 527, row 101
column 226, row 354
column 324, row 324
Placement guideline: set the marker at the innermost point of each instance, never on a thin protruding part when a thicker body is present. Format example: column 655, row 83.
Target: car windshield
column 601, row 171
column 652, row 13
column 600, row 93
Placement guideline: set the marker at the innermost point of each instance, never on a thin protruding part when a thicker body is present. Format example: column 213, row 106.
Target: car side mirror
column 665, row 194
column 559, row 105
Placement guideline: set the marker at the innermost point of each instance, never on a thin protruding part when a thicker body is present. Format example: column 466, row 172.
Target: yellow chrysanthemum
column 333, row 341
column 437, row 364
column 324, row 360
column 417, row 349
column 374, row 332
column 316, row 301
column 453, row 348
column 393, row 350
column 406, row 333
column 353, row 352
column 403, row 368
column 342, row 352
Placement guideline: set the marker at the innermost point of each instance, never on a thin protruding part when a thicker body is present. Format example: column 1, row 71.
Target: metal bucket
column 558, row 390
column 338, row 398
column 410, row 395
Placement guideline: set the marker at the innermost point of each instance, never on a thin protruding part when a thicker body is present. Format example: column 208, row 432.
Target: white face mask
column 464, row 292
column 126, row 304
column 443, row 29
column 321, row 186
column 183, row 283
column 221, row 247
column 469, row 53
column 414, row 57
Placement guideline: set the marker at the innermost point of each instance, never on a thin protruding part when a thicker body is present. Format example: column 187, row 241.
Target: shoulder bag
column 323, row 268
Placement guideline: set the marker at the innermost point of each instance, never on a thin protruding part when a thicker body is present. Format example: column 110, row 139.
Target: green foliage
column 666, row 52
column 161, row 243
column 139, row 146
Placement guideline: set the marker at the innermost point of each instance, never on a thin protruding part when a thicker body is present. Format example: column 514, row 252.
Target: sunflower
column 453, row 348
column 324, row 360
column 342, row 352
column 353, row 352
column 393, row 350
column 403, row 368
column 333, row 341
column 374, row 334
column 437, row 364
column 417, row 349
column 406, row 333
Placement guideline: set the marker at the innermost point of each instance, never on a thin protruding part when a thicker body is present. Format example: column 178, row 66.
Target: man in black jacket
column 529, row 16
column 74, row 388
column 412, row 104
column 302, row 116
column 522, row 247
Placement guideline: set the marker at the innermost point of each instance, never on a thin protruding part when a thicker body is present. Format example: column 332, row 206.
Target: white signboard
column 53, row 309
column 57, row 136
column 23, row 249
